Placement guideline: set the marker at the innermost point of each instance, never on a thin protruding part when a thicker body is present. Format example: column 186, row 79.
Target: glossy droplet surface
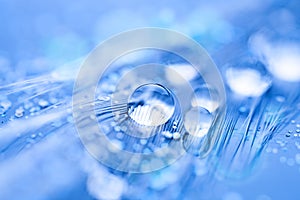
column 151, row 105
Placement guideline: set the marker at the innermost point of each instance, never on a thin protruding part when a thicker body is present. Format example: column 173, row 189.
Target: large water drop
column 151, row 105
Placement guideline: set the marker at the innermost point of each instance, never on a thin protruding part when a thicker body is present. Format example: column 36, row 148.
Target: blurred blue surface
column 41, row 156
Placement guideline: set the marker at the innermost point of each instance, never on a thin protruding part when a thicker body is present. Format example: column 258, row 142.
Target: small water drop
column 205, row 97
column 103, row 98
column 19, row 112
column 176, row 136
column 5, row 104
column 143, row 142
column 117, row 128
column 120, row 135
column 197, row 121
column 167, row 134
column 243, row 109
column 280, row 99
column 43, row 103
column 28, row 105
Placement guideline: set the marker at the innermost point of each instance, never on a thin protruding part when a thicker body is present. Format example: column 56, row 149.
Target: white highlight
column 282, row 59
column 247, row 82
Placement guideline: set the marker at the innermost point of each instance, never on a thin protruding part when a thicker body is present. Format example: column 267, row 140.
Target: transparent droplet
column 251, row 80
column 280, row 99
column 43, row 103
column 5, row 105
column 281, row 58
column 197, row 121
column 205, row 97
column 167, row 134
column 151, row 105
column 19, row 112
column 176, row 136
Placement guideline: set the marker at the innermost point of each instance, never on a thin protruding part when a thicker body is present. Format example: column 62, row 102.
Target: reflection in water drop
column 151, row 105
column 197, row 123
column 203, row 98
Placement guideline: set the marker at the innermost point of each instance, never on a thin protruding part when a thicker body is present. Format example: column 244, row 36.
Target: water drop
column 197, row 121
column 151, row 105
column 176, row 136
column 19, row 112
column 248, row 81
column 120, row 135
column 280, row 99
column 281, row 58
column 43, row 103
column 243, row 109
column 205, row 97
column 167, row 134
column 5, row 105
column 143, row 141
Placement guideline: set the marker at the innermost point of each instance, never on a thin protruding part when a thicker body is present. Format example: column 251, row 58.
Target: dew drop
column 167, row 134
column 197, row 121
column 151, row 105
column 19, row 112
column 280, row 99
column 43, row 103
column 205, row 97
column 5, row 105
column 176, row 136
column 248, row 81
